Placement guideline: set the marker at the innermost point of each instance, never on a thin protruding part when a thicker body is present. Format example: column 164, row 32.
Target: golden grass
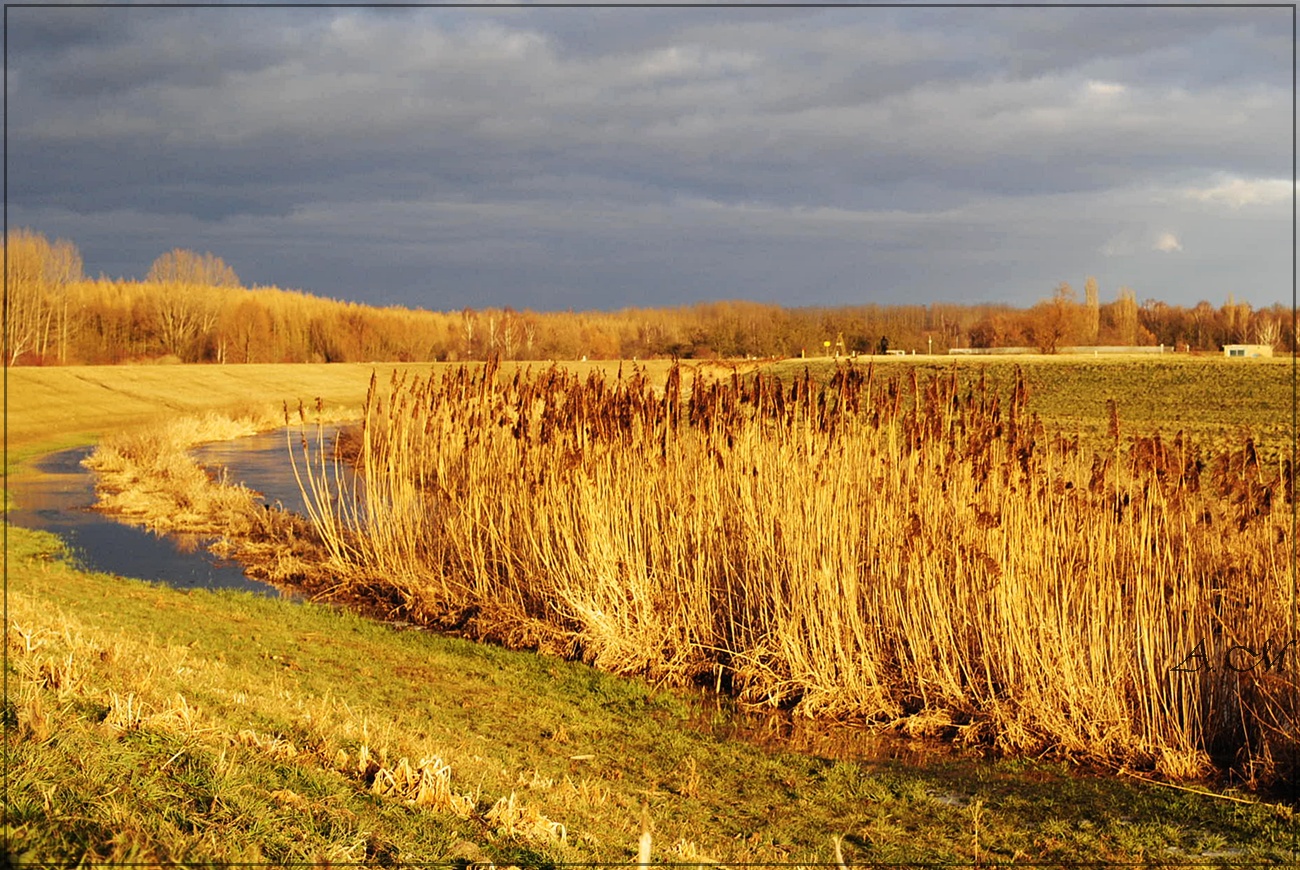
column 87, row 401
column 145, row 475
column 58, row 405
column 889, row 549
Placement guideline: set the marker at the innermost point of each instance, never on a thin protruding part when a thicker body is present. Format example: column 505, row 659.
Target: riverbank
column 150, row 724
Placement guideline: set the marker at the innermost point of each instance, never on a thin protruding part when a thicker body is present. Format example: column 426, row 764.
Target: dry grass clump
column 891, row 549
column 146, row 474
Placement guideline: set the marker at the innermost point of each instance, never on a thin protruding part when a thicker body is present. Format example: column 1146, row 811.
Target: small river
column 61, row 497
column 60, row 500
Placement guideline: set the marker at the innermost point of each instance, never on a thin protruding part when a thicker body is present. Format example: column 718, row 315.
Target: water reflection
column 58, row 498
column 261, row 462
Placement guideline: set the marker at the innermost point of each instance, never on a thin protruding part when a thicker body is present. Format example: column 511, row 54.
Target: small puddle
column 59, row 494
column 725, row 719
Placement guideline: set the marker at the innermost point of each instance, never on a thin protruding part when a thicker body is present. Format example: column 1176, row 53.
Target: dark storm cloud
column 53, row 30
column 77, row 53
column 565, row 157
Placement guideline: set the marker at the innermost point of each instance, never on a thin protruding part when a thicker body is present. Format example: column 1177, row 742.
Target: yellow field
column 51, row 407
column 47, row 407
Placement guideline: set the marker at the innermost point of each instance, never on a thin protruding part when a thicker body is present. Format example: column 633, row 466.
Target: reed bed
column 887, row 549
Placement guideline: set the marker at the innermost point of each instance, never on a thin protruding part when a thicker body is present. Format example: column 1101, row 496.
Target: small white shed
column 1237, row 351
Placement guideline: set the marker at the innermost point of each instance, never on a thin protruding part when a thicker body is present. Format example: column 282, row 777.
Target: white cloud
column 1168, row 243
column 1239, row 192
column 1105, row 89
column 1135, row 239
column 685, row 60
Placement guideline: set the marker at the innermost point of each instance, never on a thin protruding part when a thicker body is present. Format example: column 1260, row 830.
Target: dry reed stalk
column 883, row 550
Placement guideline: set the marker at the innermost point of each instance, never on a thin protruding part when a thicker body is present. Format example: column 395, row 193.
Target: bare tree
column 1267, row 331
column 1237, row 318
column 1092, row 311
column 177, row 318
column 509, row 333
column 529, row 327
column 1055, row 321
column 468, row 320
column 181, row 266
column 1126, row 317
column 63, row 269
column 1203, row 318
column 37, row 287
column 25, row 253
column 187, row 309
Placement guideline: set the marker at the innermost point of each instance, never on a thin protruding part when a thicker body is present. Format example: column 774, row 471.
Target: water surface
column 59, row 499
column 262, row 463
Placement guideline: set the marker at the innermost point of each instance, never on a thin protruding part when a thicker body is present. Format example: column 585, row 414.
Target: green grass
column 185, row 782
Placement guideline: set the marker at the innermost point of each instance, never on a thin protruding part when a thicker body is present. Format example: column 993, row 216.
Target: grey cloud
column 597, row 255
column 1038, row 41
column 549, row 154
column 84, row 53
column 52, row 30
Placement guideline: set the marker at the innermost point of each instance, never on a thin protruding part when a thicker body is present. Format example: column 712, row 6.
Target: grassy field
column 153, row 725
column 50, row 408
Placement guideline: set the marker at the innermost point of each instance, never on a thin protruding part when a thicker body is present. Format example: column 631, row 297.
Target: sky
column 552, row 159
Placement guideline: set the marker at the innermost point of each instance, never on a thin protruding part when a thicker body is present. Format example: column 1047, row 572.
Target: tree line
column 192, row 307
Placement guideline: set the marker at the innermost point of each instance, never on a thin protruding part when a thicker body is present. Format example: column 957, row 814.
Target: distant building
column 1247, row 350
